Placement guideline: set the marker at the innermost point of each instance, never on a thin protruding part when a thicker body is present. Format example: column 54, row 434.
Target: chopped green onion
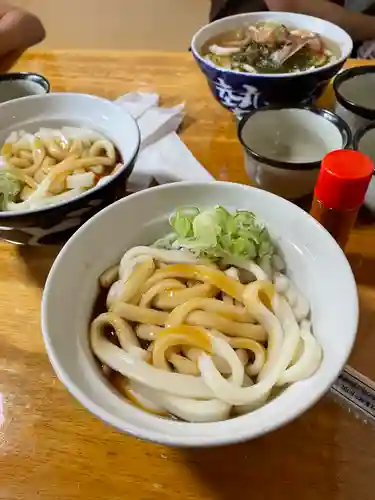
column 10, row 187
column 217, row 234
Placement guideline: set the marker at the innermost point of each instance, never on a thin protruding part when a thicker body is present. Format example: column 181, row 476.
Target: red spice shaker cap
column 343, row 179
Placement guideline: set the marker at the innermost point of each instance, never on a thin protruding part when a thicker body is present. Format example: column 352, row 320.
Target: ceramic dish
column 243, row 92
column 314, row 262
column 15, row 85
column 364, row 141
column 284, row 146
column 55, row 223
column 355, row 97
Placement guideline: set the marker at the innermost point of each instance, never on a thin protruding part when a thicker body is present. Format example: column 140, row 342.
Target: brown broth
column 298, row 62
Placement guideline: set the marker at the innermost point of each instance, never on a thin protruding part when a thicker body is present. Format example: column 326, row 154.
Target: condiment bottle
column 340, row 191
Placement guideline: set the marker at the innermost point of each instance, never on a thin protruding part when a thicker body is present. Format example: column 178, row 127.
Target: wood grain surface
column 53, row 449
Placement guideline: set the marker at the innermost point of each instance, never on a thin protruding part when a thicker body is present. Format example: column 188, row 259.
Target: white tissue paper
column 163, row 156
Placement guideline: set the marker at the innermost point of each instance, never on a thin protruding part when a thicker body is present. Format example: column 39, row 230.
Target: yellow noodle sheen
column 138, row 314
column 181, row 335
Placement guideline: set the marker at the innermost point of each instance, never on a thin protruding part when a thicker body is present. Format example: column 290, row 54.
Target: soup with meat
column 269, row 47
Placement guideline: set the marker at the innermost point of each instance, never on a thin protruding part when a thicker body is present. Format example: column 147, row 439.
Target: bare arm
column 360, row 26
column 19, row 29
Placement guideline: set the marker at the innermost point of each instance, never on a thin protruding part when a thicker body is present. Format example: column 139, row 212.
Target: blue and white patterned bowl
column 243, row 92
column 54, row 224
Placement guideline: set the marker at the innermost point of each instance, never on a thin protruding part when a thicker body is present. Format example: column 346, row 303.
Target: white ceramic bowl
column 315, row 263
column 364, row 141
column 16, row 85
column 355, row 96
column 284, row 147
column 53, row 224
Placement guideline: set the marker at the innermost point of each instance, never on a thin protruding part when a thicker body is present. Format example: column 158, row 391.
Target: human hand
column 19, row 30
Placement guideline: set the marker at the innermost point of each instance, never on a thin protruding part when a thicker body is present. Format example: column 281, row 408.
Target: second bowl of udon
column 63, row 158
column 199, row 314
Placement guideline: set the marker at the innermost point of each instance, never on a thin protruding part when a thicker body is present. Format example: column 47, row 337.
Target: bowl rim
column 37, row 78
column 185, row 440
column 126, row 165
column 359, row 135
column 333, row 118
column 271, row 14
column 346, row 75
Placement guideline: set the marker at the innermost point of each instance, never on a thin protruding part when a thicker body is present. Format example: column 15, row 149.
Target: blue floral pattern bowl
column 54, row 224
column 243, row 92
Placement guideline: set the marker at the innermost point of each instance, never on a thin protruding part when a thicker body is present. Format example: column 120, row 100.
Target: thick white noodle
column 295, row 298
column 250, row 266
column 191, row 410
column 265, row 264
column 44, row 201
column 137, row 392
column 166, row 256
column 117, row 288
column 270, row 323
column 228, row 392
column 309, row 360
column 109, row 276
column 207, row 387
column 122, row 329
column 36, row 155
column 194, row 410
column 173, row 383
column 277, row 263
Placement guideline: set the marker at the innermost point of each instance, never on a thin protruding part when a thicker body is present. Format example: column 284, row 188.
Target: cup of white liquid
column 284, row 146
column 355, row 96
column 364, row 141
column 15, row 85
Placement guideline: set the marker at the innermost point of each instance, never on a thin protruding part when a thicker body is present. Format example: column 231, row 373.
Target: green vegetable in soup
column 10, row 188
column 268, row 47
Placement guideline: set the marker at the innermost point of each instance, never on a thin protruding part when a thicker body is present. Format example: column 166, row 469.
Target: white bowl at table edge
column 312, row 255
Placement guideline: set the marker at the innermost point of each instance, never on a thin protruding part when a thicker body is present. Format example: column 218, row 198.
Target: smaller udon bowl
column 284, row 146
column 54, row 224
column 314, row 262
column 243, row 92
column 355, row 96
column 364, row 141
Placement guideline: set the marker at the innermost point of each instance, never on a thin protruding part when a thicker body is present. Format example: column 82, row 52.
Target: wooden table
column 53, row 449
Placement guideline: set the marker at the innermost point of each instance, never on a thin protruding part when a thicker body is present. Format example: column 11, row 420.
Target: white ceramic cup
column 355, row 96
column 285, row 145
column 16, row 85
column 364, row 141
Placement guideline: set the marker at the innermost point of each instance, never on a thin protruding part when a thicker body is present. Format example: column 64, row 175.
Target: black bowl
column 55, row 223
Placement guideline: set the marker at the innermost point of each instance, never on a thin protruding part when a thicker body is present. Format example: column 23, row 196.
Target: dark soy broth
column 258, row 57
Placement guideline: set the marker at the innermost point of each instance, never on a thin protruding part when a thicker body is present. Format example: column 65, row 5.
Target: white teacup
column 364, row 141
column 285, row 145
column 16, row 85
column 355, row 96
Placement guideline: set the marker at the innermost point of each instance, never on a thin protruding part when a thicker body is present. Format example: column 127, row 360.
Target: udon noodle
column 200, row 340
column 52, row 166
